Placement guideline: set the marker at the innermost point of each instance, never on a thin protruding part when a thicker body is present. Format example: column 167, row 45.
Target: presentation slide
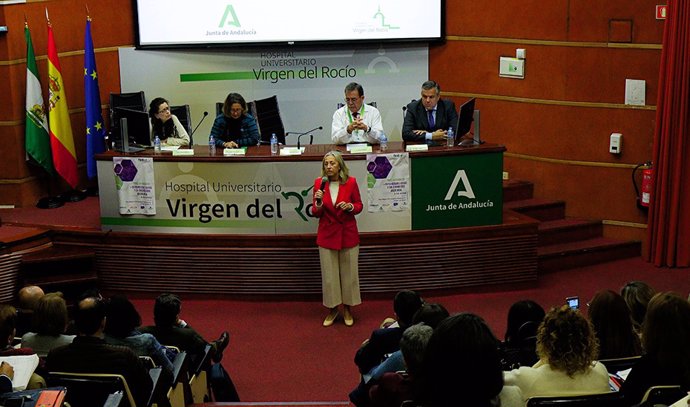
column 184, row 22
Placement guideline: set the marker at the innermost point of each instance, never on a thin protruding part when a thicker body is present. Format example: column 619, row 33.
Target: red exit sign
column 661, row 12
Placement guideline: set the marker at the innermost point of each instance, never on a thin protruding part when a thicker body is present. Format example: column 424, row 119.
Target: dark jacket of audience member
column 520, row 345
column 666, row 339
column 387, row 340
column 89, row 353
column 121, row 329
column 462, row 365
column 613, row 326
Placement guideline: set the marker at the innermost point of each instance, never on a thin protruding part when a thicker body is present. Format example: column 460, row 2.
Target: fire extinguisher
column 644, row 198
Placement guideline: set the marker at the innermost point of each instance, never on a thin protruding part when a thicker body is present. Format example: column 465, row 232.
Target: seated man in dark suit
column 429, row 117
column 387, row 340
column 170, row 330
column 89, row 353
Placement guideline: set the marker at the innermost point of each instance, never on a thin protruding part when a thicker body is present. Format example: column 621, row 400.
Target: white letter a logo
column 229, row 12
column 468, row 192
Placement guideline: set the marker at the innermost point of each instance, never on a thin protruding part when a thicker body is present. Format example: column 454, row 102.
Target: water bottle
column 383, row 142
column 157, row 145
column 274, row 144
column 212, row 145
column 450, row 137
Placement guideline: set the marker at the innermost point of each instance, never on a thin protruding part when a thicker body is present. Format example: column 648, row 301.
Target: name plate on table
column 183, row 152
column 234, row 151
column 416, row 147
column 291, row 151
column 360, row 149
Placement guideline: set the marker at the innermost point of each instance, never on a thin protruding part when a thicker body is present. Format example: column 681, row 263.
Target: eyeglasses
column 352, row 100
column 165, row 109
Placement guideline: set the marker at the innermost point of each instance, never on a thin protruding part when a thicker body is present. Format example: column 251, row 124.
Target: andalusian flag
column 95, row 132
column 61, row 139
column 37, row 140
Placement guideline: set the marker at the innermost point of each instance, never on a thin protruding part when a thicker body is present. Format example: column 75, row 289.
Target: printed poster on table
column 388, row 182
column 134, row 182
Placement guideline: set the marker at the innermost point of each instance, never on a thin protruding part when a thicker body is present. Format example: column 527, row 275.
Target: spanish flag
column 61, row 139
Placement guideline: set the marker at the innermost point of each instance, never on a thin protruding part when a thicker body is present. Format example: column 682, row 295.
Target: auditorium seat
column 612, row 399
column 663, row 395
column 90, row 389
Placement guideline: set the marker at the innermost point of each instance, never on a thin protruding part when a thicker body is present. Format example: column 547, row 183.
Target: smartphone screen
column 573, row 302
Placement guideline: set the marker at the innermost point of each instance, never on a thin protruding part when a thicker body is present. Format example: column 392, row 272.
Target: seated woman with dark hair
column 462, row 367
column 235, row 127
column 665, row 338
column 637, row 295
column 567, row 366
column 166, row 125
column 613, row 326
column 49, row 324
column 520, row 345
column 121, row 323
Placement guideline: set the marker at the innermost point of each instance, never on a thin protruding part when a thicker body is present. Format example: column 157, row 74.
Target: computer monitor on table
column 137, row 132
column 465, row 117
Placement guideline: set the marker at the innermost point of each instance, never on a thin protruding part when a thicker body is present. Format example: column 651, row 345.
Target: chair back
column 219, row 108
column 616, row 365
column 663, row 395
column 132, row 100
column 185, row 117
column 147, row 361
column 611, row 399
column 267, row 115
column 90, row 389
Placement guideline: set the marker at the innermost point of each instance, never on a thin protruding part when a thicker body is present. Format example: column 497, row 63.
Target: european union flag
column 95, row 130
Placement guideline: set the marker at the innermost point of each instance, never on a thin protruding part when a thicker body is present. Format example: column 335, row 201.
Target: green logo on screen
column 229, row 17
column 460, row 177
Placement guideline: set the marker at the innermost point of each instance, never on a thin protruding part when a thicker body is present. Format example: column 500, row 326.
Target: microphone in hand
column 322, row 187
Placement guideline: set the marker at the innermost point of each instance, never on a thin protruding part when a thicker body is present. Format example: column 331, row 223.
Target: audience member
column 520, row 344
column 6, row 376
column 8, row 321
column 89, row 353
column 568, row 349
column 173, row 331
column 395, row 387
column 665, row 338
column 169, row 329
column 387, row 340
column 637, row 295
column 462, row 367
column 49, row 323
column 28, row 299
column 613, row 326
column 122, row 321
column 429, row 315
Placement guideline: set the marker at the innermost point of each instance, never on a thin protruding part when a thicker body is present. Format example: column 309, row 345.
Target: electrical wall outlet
column 505, row 176
column 511, row 68
column 615, row 143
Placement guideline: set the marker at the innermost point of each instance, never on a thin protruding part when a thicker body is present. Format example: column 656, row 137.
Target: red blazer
column 337, row 228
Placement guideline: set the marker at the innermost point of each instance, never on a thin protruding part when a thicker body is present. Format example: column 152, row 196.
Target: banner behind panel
column 309, row 82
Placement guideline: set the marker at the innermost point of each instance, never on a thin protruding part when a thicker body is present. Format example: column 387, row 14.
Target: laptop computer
column 461, row 128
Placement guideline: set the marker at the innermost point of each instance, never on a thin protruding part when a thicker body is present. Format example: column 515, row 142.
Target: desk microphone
column 199, row 124
column 311, row 138
column 322, row 187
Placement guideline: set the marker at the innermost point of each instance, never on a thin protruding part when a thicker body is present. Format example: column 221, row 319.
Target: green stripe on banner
column 172, row 223
column 216, row 76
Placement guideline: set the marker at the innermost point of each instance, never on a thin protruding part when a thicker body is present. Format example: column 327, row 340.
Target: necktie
column 431, row 119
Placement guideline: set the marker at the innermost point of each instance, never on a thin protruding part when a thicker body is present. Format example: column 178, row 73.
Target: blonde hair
column 344, row 173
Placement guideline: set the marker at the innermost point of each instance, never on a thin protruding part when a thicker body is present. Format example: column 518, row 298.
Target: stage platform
column 267, row 264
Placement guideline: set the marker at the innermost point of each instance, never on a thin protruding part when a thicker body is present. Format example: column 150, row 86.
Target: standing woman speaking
column 336, row 202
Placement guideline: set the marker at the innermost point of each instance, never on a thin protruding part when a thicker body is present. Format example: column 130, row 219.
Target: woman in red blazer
column 336, row 202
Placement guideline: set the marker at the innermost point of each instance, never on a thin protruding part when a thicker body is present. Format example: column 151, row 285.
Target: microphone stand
column 299, row 135
column 198, row 124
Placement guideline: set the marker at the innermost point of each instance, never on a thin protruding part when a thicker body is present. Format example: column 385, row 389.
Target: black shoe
column 221, row 343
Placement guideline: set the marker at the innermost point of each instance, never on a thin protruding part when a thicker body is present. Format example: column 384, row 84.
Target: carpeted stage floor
column 279, row 352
